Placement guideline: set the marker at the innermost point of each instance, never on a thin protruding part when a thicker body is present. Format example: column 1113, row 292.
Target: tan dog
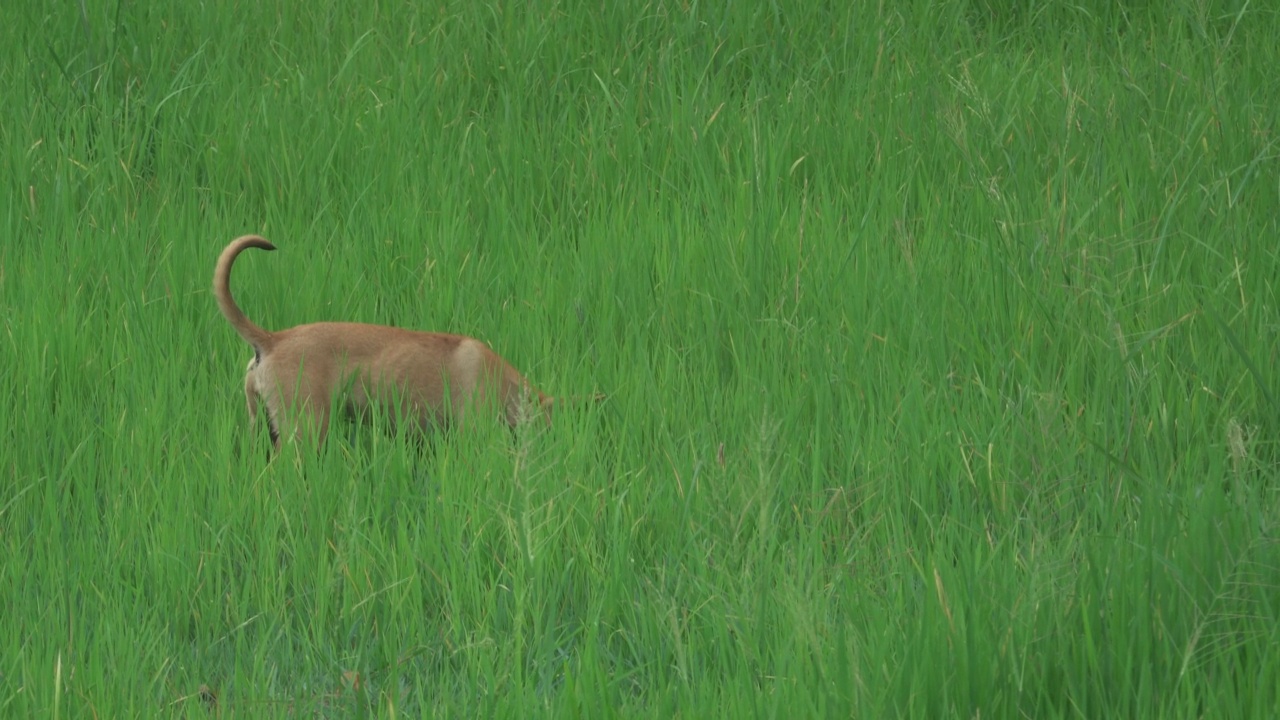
column 430, row 378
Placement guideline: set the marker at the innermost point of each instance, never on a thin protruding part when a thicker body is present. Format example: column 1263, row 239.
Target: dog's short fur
column 429, row 378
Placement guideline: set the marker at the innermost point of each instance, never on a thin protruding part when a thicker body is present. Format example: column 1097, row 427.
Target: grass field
column 940, row 341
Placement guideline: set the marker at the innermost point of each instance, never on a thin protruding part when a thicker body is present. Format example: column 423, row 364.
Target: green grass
column 940, row 341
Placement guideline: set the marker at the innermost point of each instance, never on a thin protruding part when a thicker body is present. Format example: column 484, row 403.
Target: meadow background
column 939, row 338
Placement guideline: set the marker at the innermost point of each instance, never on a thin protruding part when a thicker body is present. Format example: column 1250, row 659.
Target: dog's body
column 426, row 378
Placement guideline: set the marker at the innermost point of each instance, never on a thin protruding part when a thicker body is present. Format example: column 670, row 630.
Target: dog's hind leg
column 253, row 398
column 306, row 415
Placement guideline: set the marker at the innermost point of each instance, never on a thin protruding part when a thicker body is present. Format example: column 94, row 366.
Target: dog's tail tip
column 253, row 241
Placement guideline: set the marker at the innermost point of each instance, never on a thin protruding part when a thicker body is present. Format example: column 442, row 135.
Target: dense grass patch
column 939, row 338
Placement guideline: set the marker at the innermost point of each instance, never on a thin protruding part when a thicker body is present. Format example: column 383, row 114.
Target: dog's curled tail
column 260, row 339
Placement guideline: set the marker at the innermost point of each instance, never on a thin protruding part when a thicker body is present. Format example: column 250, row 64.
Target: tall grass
column 939, row 338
